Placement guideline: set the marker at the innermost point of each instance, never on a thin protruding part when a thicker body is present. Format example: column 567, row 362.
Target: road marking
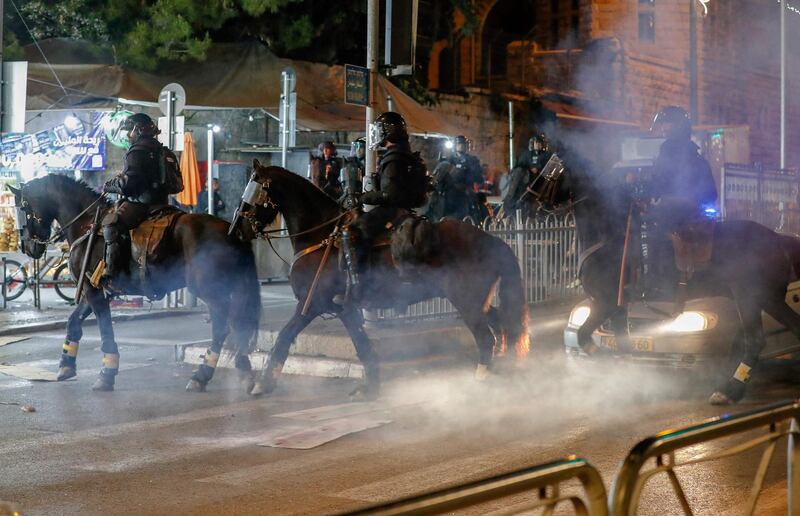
column 343, row 410
column 325, row 432
column 105, row 432
column 4, row 341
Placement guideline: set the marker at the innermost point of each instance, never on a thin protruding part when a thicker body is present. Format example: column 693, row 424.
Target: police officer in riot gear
column 330, row 167
column 528, row 166
column 466, row 173
column 681, row 188
column 400, row 184
column 141, row 185
column 353, row 174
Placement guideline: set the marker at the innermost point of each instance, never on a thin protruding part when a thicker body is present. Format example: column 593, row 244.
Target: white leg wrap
column 482, row 372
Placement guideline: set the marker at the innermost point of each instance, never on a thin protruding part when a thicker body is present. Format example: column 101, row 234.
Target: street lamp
column 212, row 128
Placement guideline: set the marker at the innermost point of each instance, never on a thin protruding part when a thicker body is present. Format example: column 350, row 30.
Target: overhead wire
column 36, row 42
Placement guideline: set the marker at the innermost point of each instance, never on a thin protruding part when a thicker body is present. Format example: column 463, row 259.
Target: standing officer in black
column 140, row 184
column 526, row 169
column 400, row 184
column 461, row 200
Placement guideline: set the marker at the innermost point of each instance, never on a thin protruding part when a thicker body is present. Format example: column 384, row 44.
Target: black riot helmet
column 139, row 125
column 461, row 144
column 537, row 143
column 358, row 148
column 672, row 123
column 388, row 127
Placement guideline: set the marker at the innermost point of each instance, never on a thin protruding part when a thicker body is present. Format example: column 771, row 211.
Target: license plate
column 638, row 344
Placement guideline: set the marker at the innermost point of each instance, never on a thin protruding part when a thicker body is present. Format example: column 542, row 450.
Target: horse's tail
column 513, row 308
column 791, row 246
column 245, row 310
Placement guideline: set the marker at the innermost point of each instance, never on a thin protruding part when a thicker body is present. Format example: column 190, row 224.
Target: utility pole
column 783, row 83
column 373, row 25
column 693, row 104
column 2, row 106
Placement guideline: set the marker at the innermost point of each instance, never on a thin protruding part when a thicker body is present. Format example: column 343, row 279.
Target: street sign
column 177, row 130
column 179, row 98
column 356, row 85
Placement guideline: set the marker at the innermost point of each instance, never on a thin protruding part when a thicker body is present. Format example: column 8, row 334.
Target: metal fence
column 545, row 479
column 767, row 196
column 547, row 251
column 544, row 482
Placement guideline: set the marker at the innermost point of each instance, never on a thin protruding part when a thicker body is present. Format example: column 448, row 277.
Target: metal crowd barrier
column 547, row 251
column 545, row 479
column 780, row 419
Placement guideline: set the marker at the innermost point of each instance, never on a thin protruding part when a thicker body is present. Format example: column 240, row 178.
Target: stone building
column 614, row 63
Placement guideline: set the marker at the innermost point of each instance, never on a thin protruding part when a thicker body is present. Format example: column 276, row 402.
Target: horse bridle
column 256, row 195
column 25, row 213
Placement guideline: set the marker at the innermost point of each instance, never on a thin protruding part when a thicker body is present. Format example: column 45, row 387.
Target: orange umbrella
column 191, row 177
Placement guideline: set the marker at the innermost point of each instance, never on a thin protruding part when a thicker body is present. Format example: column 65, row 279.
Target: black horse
column 466, row 268
column 198, row 253
column 750, row 264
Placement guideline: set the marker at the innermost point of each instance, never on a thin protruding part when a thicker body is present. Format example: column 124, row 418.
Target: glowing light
column 216, row 128
column 687, row 322
column 791, row 8
column 448, row 144
column 579, row 316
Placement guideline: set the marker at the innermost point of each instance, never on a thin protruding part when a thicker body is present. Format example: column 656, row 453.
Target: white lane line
column 325, row 432
column 105, row 432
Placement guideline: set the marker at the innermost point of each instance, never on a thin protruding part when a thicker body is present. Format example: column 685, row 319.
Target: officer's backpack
column 170, row 172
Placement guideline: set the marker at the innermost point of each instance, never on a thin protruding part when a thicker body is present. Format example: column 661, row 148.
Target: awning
column 242, row 75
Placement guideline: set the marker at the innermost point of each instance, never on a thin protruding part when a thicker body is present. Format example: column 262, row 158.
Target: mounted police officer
column 144, row 184
column 353, row 174
column 400, row 184
column 466, row 173
column 681, row 189
column 527, row 167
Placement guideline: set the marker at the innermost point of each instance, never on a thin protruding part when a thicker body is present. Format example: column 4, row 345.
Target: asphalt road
column 152, row 448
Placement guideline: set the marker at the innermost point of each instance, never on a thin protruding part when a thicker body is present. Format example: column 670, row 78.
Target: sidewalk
column 21, row 316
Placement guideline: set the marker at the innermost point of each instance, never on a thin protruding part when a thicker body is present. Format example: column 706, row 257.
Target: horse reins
column 60, row 234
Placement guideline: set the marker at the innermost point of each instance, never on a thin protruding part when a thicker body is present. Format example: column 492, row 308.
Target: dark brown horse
column 199, row 255
column 750, row 264
column 465, row 269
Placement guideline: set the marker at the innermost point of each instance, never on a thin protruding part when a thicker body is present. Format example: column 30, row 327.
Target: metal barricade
column 547, row 251
column 767, row 196
column 545, row 479
column 780, row 419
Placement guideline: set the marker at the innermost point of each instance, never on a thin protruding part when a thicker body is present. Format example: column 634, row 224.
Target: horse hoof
column 65, row 373
column 248, row 382
column 103, row 384
column 364, row 393
column 261, row 388
column 195, row 386
column 482, row 372
column 719, row 398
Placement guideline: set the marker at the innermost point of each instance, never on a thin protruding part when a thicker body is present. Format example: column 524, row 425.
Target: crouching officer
column 143, row 185
column 401, row 183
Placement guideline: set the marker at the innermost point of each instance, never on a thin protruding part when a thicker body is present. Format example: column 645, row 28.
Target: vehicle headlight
column 688, row 322
column 579, row 316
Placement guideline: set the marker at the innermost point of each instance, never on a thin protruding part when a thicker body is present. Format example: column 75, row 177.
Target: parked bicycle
column 53, row 272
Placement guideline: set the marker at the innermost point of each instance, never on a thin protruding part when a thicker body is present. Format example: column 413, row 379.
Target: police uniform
column 461, row 197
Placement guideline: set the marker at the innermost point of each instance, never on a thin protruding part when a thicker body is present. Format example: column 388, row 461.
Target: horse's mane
column 299, row 183
column 69, row 191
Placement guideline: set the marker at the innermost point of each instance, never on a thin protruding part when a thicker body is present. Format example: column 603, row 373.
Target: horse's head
column 33, row 220
column 258, row 208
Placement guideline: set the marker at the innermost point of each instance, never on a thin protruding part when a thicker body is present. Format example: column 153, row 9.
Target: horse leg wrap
column 69, row 354
column 110, row 365
column 742, row 372
column 206, row 370
column 482, row 372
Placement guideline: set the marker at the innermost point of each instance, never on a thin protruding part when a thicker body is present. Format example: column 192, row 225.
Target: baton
column 87, row 255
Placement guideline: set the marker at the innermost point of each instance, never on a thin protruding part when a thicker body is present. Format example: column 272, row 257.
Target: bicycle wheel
column 64, row 283
column 16, row 280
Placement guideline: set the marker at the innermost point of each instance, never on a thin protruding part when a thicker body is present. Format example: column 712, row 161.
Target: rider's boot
column 351, row 259
column 112, row 257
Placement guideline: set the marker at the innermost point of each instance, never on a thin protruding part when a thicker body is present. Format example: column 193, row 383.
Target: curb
column 62, row 323
column 295, row 364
